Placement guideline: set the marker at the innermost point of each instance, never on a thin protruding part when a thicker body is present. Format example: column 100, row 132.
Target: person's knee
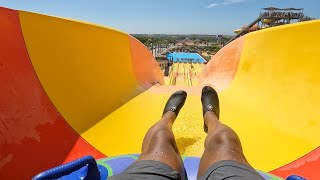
column 160, row 134
column 161, row 140
column 222, row 138
column 164, row 134
column 158, row 126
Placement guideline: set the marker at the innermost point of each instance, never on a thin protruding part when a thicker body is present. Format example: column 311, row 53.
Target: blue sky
column 162, row 16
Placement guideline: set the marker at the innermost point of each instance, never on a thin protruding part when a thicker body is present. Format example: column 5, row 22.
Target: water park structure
column 271, row 17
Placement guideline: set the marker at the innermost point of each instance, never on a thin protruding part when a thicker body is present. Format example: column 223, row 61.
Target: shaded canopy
column 283, row 9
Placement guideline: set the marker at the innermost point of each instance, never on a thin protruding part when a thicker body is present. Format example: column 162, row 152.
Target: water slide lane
column 274, row 97
column 184, row 74
column 145, row 68
column 32, row 131
column 105, row 63
column 83, row 75
column 223, row 66
column 134, row 116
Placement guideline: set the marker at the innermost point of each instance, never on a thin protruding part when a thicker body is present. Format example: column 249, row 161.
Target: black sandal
column 175, row 102
column 210, row 102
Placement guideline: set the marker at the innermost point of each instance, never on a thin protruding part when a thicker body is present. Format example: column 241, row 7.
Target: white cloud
column 226, row 2
column 212, row 5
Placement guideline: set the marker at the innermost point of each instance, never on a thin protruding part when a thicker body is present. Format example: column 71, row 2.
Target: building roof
column 282, row 9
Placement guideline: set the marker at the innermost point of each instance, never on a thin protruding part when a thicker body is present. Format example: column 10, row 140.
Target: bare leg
column 159, row 143
column 222, row 143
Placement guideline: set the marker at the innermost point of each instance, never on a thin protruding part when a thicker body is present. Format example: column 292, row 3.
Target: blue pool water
column 185, row 57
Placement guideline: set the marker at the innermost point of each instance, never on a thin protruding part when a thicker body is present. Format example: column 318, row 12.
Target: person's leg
column 222, row 143
column 159, row 142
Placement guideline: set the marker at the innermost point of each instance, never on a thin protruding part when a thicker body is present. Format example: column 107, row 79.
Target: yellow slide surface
column 272, row 102
column 274, row 98
column 107, row 86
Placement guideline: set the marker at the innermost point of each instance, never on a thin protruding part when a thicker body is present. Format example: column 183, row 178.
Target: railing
column 245, row 30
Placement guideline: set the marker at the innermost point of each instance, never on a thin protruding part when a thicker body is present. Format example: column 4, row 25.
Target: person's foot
column 210, row 102
column 175, row 102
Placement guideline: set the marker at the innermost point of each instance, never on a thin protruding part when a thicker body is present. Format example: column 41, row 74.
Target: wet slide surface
column 273, row 98
column 30, row 127
column 98, row 94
